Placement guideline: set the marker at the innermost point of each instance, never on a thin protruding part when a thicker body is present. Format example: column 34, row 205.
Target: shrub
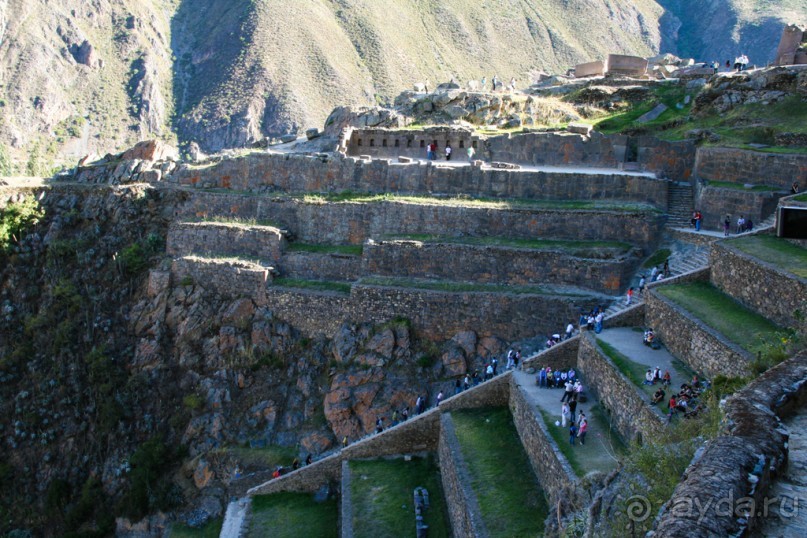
column 16, row 218
column 192, row 401
column 132, row 259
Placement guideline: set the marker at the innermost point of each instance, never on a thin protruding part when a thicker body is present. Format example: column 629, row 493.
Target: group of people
column 496, row 84
column 593, row 319
column 740, row 63
column 281, row 470
column 686, row 401
column 431, row 151
column 557, row 378
column 743, row 225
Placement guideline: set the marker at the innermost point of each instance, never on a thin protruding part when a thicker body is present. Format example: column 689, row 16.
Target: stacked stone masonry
column 701, row 348
column 223, row 239
column 493, row 264
column 716, row 203
column 744, row 166
column 736, row 469
column 354, row 223
column 228, row 278
column 320, row 266
column 463, row 505
column 762, row 287
column 620, row 398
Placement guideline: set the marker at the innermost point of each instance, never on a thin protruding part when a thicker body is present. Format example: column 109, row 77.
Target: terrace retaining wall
column 762, row 287
column 499, row 265
column 262, row 242
column 619, row 397
column 745, row 166
column 320, row 266
column 700, row 347
column 715, row 203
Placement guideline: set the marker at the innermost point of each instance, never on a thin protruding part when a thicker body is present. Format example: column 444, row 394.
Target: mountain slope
column 81, row 76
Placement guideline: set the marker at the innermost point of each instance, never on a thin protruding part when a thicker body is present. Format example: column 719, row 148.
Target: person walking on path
column 439, row 398
column 726, row 226
column 565, row 414
column 572, row 408
column 572, row 433
column 471, row 151
column 581, row 432
column 429, row 152
column 448, row 151
column 629, row 297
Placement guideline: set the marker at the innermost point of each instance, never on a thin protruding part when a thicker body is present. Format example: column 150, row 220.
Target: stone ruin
column 792, row 49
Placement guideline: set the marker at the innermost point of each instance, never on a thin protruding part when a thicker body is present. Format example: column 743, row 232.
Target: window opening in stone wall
column 384, row 142
column 632, row 150
column 359, row 144
column 397, row 143
column 409, row 143
column 372, row 142
column 462, row 144
column 473, row 144
column 436, row 145
column 423, row 143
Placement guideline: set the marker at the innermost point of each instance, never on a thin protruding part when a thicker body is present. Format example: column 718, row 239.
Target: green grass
column 509, row 496
column 669, row 94
column 293, row 515
column 800, row 198
column 561, row 438
column 382, row 497
column 317, row 285
column 481, row 202
column 238, row 221
column 741, row 187
column 211, row 529
column 635, row 371
column 534, row 244
column 353, row 250
column 657, row 258
column 776, row 251
column 267, row 457
column 461, row 287
column 717, row 310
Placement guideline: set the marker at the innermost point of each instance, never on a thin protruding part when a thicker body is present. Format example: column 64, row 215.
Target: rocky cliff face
column 82, row 77
column 123, row 392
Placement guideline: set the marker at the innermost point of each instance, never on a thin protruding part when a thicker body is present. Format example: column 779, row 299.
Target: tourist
column 569, row 330
column 666, row 269
column 379, row 424
column 598, row 322
column 696, row 384
column 666, row 379
column 563, row 378
column 488, row 372
column 439, row 398
column 578, row 391
column 649, row 336
column 550, row 382
column 429, row 152
column 494, row 363
column 467, row 382
column 565, row 414
column 727, row 225
column 295, row 464
column 542, row 377
column 672, row 405
column 308, row 459
column 556, row 378
column 419, row 405
column 570, row 376
column 448, row 151
column 660, row 276
column 405, row 413
column 509, row 360
column 648, row 377
column 698, row 220
column 572, row 433
column 581, row 418
column 344, row 441
column 484, row 83
column 581, row 432
column 517, row 358
column 657, row 375
column 590, row 320
column 513, row 84
column 477, row 378
column 457, row 386
column 641, row 284
column 572, row 408
column 471, row 151
column 394, row 417
column 629, row 296
column 568, row 392
column 794, row 188
column 658, row 396
column 653, row 273
column 749, row 225
column 740, row 225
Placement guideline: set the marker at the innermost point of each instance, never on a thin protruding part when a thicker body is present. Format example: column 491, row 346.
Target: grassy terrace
column 510, row 498
column 236, row 221
column 534, row 244
column 315, row 285
column 742, row 187
column 800, row 198
column 353, row 250
column 657, row 258
column 717, row 310
column 778, row 252
column 292, row 515
column 481, row 202
column 382, row 497
column 635, row 372
column 460, row 287
column 211, row 530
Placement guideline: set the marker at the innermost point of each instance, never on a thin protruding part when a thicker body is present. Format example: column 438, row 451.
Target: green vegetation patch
column 742, row 187
column 561, row 438
column 635, row 371
column 800, row 198
column 318, row 285
column 574, row 247
column 212, row 529
column 462, row 287
column 293, row 515
column 382, row 495
column 480, row 202
column 16, row 218
column 511, row 501
column 353, row 250
column 657, row 258
column 268, row 457
column 717, row 310
column 783, row 254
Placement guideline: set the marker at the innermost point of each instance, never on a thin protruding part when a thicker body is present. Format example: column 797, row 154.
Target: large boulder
column 150, row 150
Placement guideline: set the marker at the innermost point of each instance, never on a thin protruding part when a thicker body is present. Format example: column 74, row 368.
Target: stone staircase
column 683, row 259
column 680, row 204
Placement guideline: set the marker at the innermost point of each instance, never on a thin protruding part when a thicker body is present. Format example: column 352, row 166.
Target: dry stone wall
column 763, row 287
column 715, row 203
column 553, row 149
column 322, row 266
column 619, row 397
column 553, row 471
column 228, row 278
column 463, row 505
column 701, row 348
column 214, row 238
column 560, row 356
column 353, row 223
column 734, row 472
column 434, row 314
column 391, row 143
column 494, row 264
column 302, row 173
column 743, row 166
